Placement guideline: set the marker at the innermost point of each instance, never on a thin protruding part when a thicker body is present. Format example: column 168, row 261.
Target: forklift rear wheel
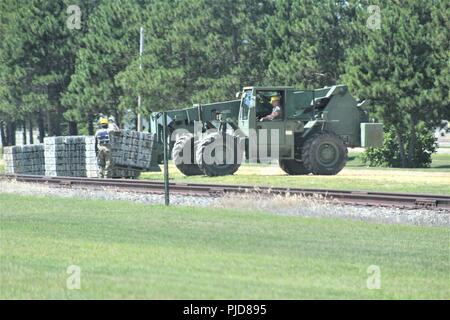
column 293, row 167
column 219, row 154
column 188, row 167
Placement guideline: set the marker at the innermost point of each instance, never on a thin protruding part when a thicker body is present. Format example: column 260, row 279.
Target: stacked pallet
column 132, row 150
column 91, row 158
column 92, row 168
column 28, row 159
column 66, row 156
column 75, row 156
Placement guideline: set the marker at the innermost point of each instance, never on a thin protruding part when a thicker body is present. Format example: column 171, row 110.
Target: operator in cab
column 276, row 109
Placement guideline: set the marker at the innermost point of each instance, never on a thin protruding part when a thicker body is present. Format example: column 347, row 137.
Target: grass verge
column 355, row 176
column 130, row 250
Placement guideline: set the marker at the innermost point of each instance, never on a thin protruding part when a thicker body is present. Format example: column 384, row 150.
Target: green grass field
column 128, row 250
column 355, row 176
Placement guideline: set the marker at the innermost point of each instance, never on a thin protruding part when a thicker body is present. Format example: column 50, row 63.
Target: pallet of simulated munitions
column 91, row 158
column 75, row 156
column 133, row 150
column 66, row 156
column 27, row 159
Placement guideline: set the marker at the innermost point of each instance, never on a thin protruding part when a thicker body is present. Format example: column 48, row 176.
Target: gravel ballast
column 99, row 193
column 281, row 205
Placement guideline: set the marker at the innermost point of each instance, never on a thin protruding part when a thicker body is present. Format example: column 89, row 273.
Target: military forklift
column 310, row 136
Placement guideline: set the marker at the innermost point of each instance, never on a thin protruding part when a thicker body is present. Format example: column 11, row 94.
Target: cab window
column 248, row 101
column 264, row 106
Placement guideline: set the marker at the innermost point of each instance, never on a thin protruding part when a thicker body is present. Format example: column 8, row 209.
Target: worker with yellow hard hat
column 275, row 101
column 103, row 121
column 103, row 147
column 274, row 98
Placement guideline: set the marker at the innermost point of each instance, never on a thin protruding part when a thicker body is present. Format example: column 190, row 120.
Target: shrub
column 389, row 154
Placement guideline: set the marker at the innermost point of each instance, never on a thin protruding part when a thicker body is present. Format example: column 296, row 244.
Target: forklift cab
column 269, row 135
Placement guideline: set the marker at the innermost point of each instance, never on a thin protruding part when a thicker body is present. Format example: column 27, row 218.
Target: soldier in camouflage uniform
column 112, row 124
column 103, row 146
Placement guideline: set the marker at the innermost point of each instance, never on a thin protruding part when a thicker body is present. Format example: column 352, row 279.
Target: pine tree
column 11, row 73
column 197, row 51
column 110, row 44
column 402, row 67
column 38, row 55
column 307, row 41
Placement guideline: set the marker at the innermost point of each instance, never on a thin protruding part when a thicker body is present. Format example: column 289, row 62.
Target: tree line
column 63, row 62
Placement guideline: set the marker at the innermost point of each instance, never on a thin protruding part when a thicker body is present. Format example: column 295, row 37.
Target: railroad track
column 365, row 198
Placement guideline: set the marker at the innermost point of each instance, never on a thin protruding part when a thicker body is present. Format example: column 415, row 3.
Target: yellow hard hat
column 274, row 98
column 103, row 121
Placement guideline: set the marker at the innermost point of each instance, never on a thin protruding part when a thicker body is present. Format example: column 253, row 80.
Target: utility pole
column 166, row 160
column 141, row 50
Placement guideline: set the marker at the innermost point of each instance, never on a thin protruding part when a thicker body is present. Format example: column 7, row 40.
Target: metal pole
column 166, row 160
column 141, row 50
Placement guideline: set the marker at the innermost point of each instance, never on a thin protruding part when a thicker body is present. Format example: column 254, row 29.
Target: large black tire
column 188, row 168
column 324, row 153
column 206, row 157
column 293, row 167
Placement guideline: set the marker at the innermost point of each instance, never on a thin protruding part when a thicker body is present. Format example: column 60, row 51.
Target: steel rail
column 366, row 198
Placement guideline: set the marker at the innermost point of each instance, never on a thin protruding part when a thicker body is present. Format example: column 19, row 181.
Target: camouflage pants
column 104, row 161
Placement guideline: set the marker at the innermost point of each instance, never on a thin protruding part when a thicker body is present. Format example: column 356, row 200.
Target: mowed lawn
column 355, row 176
column 128, row 250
